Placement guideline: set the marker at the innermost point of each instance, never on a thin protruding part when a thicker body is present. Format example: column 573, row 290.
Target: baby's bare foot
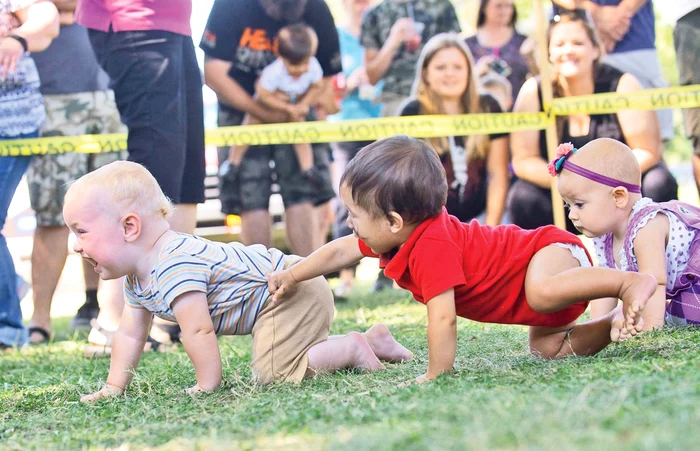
column 384, row 345
column 635, row 293
column 619, row 331
column 362, row 354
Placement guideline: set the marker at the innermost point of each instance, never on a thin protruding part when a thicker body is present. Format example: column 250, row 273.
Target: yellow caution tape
column 63, row 144
column 373, row 129
column 648, row 99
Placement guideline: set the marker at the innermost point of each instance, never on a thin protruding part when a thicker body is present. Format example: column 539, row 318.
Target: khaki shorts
column 285, row 331
column 85, row 113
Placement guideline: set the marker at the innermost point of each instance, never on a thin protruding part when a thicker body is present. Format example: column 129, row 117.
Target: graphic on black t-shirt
column 256, row 49
column 241, row 32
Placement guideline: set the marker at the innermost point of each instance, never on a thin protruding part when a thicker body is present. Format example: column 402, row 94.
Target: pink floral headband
column 561, row 162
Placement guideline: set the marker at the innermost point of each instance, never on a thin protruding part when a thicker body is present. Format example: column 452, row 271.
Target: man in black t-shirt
column 239, row 41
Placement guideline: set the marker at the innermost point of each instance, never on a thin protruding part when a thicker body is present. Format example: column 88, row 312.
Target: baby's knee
column 548, row 347
column 543, row 352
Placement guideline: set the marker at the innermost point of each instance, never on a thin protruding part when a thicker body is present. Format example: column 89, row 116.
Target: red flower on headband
column 563, row 152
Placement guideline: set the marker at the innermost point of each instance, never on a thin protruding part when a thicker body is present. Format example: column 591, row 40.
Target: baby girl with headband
column 600, row 185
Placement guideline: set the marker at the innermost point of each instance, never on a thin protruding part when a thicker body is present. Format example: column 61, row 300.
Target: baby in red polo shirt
column 395, row 190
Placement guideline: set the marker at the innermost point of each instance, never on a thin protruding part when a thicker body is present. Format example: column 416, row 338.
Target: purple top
column 135, row 15
column 509, row 53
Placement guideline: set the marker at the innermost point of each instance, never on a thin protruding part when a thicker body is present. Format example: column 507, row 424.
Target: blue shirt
column 641, row 34
column 353, row 56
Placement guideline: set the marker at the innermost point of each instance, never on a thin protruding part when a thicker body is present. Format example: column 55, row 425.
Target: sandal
column 91, row 351
column 105, row 336
column 45, row 335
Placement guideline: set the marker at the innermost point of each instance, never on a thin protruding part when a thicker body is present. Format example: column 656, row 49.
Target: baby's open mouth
column 91, row 261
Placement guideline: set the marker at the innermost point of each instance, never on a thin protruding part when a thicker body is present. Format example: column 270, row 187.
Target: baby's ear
column 621, row 196
column 131, row 227
column 396, row 222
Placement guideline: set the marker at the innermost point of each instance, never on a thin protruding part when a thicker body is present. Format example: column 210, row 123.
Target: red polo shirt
column 485, row 265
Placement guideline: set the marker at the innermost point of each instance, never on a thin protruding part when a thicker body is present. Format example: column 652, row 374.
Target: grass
column 643, row 394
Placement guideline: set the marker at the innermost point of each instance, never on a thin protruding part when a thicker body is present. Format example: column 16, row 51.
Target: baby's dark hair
column 296, row 43
column 397, row 174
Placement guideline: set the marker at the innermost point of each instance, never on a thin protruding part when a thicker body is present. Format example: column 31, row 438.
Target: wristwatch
column 19, row 39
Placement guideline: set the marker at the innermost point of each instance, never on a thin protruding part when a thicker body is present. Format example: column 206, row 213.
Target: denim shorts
column 157, row 86
column 264, row 165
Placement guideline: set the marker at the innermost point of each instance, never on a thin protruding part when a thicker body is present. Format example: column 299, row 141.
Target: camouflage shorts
column 86, row 113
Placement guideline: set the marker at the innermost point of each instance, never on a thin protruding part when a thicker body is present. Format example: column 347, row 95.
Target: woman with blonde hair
column 477, row 165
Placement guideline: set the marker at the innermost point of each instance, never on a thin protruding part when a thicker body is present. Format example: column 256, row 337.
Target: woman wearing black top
column 574, row 52
column 476, row 166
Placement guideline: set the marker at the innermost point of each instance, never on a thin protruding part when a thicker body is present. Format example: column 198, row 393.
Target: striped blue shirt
column 231, row 274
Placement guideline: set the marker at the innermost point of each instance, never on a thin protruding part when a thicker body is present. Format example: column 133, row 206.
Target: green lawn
column 643, row 394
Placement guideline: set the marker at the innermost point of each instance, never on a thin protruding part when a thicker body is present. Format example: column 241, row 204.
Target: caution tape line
column 373, row 129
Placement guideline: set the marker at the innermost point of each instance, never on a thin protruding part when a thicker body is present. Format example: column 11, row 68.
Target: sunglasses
column 576, row 14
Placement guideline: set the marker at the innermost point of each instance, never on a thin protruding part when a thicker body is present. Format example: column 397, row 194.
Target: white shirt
column 676, row 9
column 276, row 78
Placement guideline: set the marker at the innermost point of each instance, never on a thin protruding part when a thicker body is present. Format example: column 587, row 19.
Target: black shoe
column 314, row 176
column 229, row 188
column 165, row 333
column 383, row 282
column 86, row 313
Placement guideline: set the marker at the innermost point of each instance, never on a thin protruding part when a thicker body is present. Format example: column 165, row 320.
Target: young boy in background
column 292, row 84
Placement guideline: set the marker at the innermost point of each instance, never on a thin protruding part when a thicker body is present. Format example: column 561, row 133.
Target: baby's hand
column 196, row 389
column 419, row 380
column 279, row 283
column 107, row 391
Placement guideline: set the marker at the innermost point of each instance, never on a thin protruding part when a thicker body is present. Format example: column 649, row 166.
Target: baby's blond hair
column 610, row 158
column 131, row 188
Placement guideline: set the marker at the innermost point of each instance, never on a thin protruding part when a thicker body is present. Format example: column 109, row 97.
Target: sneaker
column 342, row 291
column 229, row 188
column 82, row 320
column 313, row 175
column 168, row 333
column 382, row 283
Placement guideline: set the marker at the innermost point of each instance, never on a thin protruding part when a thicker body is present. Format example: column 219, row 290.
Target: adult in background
column 496, row 46
column 575, row 52
column 146, row 48
column 239, row 41
column 686, row 39
column 78, row 102
column 27, row 25
column 393, row 35
column 357, row 101
column 627, row 30
column 477, row 165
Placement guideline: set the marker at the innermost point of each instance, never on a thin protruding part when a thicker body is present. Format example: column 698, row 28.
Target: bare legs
column 356, row 350
column 49, row 254
column 555, row 280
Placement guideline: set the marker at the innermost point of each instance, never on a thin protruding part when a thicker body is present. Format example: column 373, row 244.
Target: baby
column 499, row 87
column 395, row 191
column 119, row 216
column 600, row 184
column 292, row 84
